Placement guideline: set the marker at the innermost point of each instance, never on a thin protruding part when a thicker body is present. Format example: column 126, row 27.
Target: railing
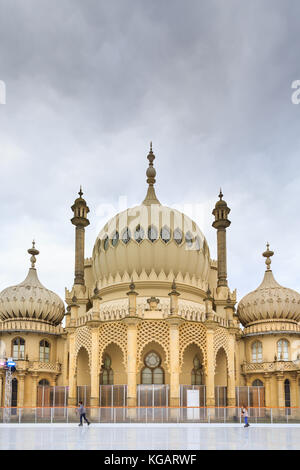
column 148, row 415
column 277, row 366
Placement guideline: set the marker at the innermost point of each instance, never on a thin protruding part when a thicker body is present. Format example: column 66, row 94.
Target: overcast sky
column 89, row 83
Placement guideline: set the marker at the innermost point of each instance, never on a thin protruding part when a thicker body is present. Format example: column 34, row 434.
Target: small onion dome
column 270, row 300
column 31, row 300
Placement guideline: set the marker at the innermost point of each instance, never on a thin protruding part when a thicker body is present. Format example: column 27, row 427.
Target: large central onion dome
column 270, row 301
column 31, row 300
column 151, row 238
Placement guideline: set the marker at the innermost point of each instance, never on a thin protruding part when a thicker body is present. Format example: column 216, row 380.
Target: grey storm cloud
column 90, row 83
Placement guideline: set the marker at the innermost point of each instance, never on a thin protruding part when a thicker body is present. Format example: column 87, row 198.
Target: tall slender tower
column 220, row 223
column 80, row 221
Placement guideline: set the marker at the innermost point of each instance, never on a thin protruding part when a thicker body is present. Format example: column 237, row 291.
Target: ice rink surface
column 149, row 437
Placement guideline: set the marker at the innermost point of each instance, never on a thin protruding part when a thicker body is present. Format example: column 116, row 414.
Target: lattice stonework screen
column 84, row 338
column 220, row 340
column 192, row 333
column 149, row 331
column 113, row 332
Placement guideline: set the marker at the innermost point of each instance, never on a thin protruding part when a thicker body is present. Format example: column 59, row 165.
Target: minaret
column 80, row 221
column 151, row 173
column 220, row 223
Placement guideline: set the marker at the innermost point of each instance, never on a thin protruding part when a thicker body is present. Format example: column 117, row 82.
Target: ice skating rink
column 149, row 437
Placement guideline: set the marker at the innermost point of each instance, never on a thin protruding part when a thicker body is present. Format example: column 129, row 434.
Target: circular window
column 126, row 236
column 165, row 234
column 105, row 243
column 189, row 239
column 115, row 238
column 152, row 360
column 139, row 234
column 152, row 233
column 178, row 236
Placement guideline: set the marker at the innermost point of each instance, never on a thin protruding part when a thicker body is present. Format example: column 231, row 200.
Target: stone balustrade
column 263, row 367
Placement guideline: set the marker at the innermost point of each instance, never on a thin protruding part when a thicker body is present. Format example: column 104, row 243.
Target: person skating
column 245, row 415
column 82, row 413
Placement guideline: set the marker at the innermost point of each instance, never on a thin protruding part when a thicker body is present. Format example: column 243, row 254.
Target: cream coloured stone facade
column 151, row 307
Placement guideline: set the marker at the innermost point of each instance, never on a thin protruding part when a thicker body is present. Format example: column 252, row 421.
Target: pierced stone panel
column 220, row 340
column 149, row 331
column 83, row 338
column 190, row 333
column 113, row 332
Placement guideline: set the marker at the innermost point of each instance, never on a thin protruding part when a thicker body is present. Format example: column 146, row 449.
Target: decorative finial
column 151, row 173
column 174, row 287
column 267, row 254
column 80, row 192
column 34, row 252
column 132, row 285
column 221, row 194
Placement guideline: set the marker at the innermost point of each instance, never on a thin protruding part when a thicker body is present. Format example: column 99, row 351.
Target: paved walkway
column 149, row 437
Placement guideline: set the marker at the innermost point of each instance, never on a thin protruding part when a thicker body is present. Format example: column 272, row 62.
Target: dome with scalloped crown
column 270, row 301
column 31, row 300
column 152, row 239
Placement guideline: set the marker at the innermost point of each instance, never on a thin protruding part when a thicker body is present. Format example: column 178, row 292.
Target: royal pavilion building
column 149, row 317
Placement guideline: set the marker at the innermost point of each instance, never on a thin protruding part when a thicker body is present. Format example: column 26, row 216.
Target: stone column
column 280, row 390
column 294, row 390
column 21, row 379
column 174, row 360
column 268, row 398
column 34, row 379
column 1, row 387
column 79, row 255
column 72, row 372
column 210, row 368
column 95, row 367
column 231, row 373
column 132, row 323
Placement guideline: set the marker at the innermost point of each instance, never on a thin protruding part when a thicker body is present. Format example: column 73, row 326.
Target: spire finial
column 267, row 254
column 220, row 194
column 80, row 191
column 151, row 173
column 33, row 252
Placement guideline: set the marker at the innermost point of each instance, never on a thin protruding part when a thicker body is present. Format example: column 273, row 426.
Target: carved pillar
column 21, row 380
column 268, row 398
column 210, row 368
column 34, row 379
column 72, row 371
column 131, row 359
column 280, row 390
column 1, row 387
column 231, row 373
column 174, row 360
column 294, row 389
column 95, row 367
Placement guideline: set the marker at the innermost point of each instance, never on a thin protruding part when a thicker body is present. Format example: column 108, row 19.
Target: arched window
column 107, row 374
column 44, row 351
column 139, row 234
column 283, row 350
column 126, row 236
column 14, row 392
column 165, row 234
column 115, row 238
column 189, row 239
column 44, row 383
column 18, row 348
column 152, row 373
column 152, row 233
column 256, row 350
column 287, row 393
column 178, row 236
column 197, row 372
column 257, row 383
column 106, row 243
